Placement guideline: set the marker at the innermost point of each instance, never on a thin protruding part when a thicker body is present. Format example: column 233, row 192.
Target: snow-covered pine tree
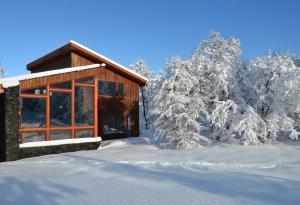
column 179, row 107
column 140, row 66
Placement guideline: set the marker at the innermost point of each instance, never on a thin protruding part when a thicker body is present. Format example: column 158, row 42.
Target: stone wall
column 38, row 151
column 2, row 127
column 12, row 123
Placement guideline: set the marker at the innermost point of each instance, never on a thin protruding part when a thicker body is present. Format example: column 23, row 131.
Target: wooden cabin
column 72, row 97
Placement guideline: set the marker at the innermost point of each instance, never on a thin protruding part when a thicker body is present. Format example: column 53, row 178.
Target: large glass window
column 33, row 136
column 84, row 106
column 88, row 80
column 64, row 85
column 35, row 91
column 59, row 135
column 120, row 92
column 84, row 133
column 107, row 88
column 33, row 112
column 60, row 109
column 113, row 124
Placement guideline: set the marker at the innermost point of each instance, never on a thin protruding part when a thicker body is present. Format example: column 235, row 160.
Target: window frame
column 73, row 128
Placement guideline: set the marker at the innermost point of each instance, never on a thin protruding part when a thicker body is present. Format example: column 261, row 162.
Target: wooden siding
column 62, row 61
column 79, row 60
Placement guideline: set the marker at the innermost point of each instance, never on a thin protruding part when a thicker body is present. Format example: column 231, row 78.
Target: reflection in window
column 60, row 109
column 84, row 133
column 113, row 124
column 120, row 90
column 36, row 91
column 59, row 135
column 33, row 137
column 33, row 112
column 64, row 85
column 107, row 88
column 84, row 106
column 88, row 80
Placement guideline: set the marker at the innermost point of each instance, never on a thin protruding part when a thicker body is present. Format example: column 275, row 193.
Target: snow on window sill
column 60, row 142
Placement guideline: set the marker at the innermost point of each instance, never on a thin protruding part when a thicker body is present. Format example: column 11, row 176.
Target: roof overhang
column 15, row 81
column 77, row 48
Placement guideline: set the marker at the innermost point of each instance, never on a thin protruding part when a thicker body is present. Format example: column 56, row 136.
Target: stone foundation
column 55, row 149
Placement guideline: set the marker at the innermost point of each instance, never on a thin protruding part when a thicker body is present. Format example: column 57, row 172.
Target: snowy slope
column 135, row 172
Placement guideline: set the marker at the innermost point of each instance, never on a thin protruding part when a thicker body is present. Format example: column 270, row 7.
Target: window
column 88, row 80
column 111, row 89
column 120, row 92
column 36, row 91
column 33, row 112
column 60, row 109
column 33, row 137
column 84, row 133
column 59, row 135
column 84, row 106
column 107, row 88
column 113, row 124
column 65, row 85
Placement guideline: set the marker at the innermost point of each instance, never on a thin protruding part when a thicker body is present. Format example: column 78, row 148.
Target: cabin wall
column 126, row 106
column 63, row 61
column 79, row 60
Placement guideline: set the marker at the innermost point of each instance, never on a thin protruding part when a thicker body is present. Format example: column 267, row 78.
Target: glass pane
column 121, row 90
column 107, row 88
column 33, row 112
column 88, row 80
column 59, row 135
column 60, row 109
column 64, row 85
column 84, row 106
column 113, row 124
column 33, row 137
column 84, row 133
column 36, row 91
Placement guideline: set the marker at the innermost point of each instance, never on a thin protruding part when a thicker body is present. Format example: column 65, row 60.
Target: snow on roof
column 60, row 142
column 14, row 81
column 109, row 60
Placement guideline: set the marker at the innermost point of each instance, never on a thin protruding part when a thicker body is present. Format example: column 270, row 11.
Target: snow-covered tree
column 1, row 71
column 179, row 107
column 140, row 66
column 239, row 101
column 274, row 82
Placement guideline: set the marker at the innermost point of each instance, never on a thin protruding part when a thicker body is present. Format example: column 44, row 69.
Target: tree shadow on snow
column 16, row 191
column 230, row 184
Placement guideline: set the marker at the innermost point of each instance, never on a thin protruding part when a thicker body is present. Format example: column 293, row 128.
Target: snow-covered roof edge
column 60, row 142
column 15, row 81
column 108, row 59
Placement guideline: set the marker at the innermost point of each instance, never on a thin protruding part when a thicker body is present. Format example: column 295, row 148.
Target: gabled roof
column 73, row 46
column 15, row 81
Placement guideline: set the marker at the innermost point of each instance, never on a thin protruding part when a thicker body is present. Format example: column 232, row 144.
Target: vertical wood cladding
column 126, row 106
column 63, row 61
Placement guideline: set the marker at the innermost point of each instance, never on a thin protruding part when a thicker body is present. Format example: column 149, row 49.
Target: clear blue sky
column 154, row 30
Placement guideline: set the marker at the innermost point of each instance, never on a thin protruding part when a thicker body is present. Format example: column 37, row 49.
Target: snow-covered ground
column 134, row 172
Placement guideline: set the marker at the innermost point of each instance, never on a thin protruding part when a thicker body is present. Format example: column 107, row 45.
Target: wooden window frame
column 73, row 128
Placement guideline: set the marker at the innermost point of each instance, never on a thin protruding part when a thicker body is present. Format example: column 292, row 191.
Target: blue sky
column 154, row 30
